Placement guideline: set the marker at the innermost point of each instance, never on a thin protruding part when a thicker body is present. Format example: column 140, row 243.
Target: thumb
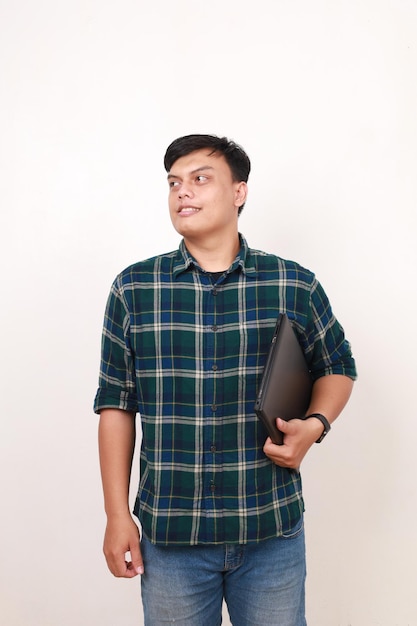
column 284, row 426
column 137, row 560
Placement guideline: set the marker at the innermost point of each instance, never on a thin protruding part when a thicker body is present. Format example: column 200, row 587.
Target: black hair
column 235, row 156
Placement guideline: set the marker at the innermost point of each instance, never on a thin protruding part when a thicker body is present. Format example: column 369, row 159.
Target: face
column 203, row 197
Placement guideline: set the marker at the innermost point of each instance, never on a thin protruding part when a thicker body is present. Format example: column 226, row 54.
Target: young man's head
column 207, row 189
column 236, row 158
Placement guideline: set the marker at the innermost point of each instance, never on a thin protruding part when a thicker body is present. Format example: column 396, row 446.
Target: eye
column 173, row 183
column 201, row 178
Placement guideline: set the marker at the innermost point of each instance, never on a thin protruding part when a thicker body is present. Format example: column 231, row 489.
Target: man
column 185, row 340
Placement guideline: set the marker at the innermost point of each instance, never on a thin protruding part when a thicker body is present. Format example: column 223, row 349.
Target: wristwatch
column 325, row 423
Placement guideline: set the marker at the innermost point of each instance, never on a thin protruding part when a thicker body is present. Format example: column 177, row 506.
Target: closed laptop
column 286, row 383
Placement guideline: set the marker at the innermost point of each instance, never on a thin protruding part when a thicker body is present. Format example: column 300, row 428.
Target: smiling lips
column 188, row 210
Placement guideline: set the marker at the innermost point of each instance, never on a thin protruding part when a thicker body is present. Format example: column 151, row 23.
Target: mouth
column 187, row 210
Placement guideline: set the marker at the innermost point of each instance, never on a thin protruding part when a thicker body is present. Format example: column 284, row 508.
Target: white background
column 323, row 96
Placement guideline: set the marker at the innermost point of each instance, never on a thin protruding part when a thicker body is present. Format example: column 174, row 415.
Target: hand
column 122, row 536
column 299, row 436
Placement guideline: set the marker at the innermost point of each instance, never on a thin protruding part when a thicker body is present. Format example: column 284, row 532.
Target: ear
column 241, row 193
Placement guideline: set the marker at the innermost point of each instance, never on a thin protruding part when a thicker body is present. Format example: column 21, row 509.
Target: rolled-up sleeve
column 330, row 352
column 117, row 384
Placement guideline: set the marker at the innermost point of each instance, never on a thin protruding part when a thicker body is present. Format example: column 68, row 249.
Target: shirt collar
column 244, row 260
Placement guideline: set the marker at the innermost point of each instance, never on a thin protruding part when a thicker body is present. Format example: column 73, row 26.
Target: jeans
column 262, row 584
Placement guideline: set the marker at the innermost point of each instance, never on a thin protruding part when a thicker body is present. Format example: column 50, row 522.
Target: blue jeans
column 262, row 584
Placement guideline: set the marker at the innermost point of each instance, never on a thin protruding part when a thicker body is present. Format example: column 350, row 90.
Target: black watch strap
column 325, row 423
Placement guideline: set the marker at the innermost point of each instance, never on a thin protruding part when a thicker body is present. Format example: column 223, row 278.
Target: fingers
column 294, row 447
column 284, row 455
column 122, row 538
column 276, row 453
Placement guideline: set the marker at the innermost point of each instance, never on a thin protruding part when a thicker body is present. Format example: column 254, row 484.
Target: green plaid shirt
column 187, row 352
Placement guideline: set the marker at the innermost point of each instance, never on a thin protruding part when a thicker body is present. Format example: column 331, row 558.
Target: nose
column 184, row 191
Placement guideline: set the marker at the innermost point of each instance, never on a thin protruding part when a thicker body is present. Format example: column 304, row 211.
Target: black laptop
column 286, row 383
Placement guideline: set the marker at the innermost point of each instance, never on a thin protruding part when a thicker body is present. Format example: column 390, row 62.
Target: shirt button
column 213, row 448
column 212, row 487
column 214, row 328
column 214, row 407
column 214, row 368
column 214, row 292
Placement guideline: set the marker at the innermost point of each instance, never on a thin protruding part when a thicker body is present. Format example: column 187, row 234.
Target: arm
column 117, row 434
column 330, row 395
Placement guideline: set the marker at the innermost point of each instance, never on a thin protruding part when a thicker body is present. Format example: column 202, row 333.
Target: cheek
column 172, row 214
column 224, row 203
column 171, row 205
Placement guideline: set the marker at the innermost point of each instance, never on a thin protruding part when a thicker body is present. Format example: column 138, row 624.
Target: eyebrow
column 198, row 169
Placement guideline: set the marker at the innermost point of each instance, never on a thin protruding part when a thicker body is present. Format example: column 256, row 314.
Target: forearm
column 330, row 395
column 117, row 433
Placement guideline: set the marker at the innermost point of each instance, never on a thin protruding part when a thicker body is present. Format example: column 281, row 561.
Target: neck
column 214, row 256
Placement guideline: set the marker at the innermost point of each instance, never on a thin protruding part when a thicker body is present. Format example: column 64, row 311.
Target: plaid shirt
column 187, row 352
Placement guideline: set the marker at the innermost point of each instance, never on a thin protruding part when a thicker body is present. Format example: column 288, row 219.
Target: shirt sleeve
column 117, row 381
column 329, row 351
